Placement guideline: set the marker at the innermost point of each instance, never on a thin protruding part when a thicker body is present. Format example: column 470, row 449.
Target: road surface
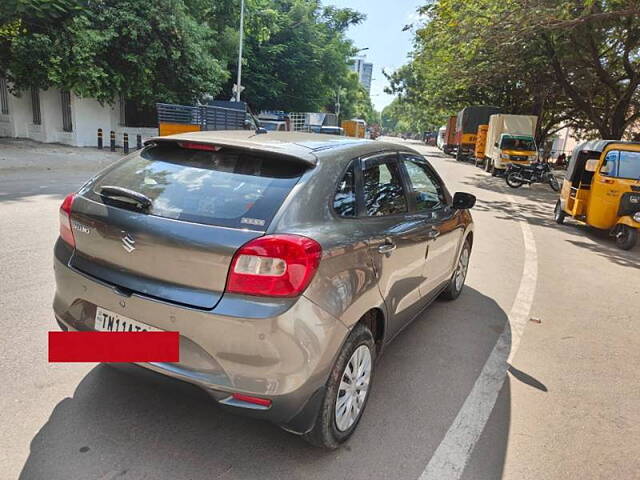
column 443, row 405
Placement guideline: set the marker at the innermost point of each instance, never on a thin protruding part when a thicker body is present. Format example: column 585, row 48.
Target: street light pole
column 239, row 80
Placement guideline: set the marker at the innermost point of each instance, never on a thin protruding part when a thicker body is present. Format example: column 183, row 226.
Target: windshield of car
column 517, row 143
column 622, row 164
column 227, row 188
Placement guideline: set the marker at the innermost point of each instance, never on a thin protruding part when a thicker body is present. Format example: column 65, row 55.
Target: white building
column 55, row 116
column 364, row 71
column 563, row 141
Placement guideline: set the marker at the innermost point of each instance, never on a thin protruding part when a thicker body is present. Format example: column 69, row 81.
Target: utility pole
column 239, row 80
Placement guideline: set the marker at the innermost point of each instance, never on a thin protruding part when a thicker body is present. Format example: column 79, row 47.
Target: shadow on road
column 131, row 423
column 537, row 209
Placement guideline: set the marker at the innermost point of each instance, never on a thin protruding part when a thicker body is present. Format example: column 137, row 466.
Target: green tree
column 146, row 51
column 571, row 62
column 295, row 54
column 355, row 101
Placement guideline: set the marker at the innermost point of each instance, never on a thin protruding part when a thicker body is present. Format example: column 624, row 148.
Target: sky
column 382, row 33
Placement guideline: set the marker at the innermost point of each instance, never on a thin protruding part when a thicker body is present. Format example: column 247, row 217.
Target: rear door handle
column 387, row 247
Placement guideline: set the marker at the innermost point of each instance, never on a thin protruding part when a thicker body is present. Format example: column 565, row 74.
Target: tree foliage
column 571, row 62
column 296, row 54
column 295, row 51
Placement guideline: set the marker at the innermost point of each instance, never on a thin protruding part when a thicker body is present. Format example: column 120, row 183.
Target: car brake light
column 65, row 220
column 199, row 146
column 274, row 266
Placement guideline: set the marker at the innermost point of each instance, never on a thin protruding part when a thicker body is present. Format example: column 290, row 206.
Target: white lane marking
column 451, row 456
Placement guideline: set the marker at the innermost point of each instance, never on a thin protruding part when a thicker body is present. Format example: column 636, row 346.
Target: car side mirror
column 463, row 201
column 591, row 165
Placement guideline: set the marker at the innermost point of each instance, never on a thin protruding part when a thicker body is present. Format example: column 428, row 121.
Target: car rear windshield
column 229, row 188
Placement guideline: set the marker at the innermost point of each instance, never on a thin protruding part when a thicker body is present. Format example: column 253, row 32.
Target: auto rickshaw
column 602, row 189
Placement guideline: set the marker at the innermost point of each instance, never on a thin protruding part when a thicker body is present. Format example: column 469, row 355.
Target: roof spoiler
column 303, row 155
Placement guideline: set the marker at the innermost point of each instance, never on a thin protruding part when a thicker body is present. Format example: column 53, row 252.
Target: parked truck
column 354, row 128
column 510, row 139
column 481, row 145
column 449, row 143
column 467, row 123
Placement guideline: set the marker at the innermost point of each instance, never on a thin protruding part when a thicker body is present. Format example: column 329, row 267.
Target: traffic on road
column 319, row 239
column 468, row 378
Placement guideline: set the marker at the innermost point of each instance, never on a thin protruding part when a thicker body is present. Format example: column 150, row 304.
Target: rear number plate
column 107, row 321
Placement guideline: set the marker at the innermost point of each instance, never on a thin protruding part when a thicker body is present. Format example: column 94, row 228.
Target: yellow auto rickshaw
column 602, row 189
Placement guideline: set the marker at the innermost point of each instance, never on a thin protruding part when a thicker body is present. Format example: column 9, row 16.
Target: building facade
column 364, row 70
column 57, row 116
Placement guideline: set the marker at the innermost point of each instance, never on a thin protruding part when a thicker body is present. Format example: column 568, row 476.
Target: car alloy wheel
column 347, row 390
column 454, row 288
column 353, row 388
column 461, row 268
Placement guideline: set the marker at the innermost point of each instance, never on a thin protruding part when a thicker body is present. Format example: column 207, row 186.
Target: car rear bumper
column 282, row 350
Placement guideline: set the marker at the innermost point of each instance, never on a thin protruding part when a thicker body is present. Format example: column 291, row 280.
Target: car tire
column 626, row 237
column 456, row 283
column 558, row 213
column 330, row 429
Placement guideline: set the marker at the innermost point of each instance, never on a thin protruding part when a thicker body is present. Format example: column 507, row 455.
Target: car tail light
column 274, row 266
column 65, row 220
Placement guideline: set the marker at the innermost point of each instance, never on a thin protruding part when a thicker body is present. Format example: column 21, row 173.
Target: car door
column 396, row 242
column 431, row 206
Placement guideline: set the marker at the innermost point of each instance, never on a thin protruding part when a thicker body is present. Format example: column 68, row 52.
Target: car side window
column 344, row 201
column 383, row 190
column 427, row 189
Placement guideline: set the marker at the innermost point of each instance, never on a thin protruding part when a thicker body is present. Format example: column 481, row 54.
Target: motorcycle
column 518, row 175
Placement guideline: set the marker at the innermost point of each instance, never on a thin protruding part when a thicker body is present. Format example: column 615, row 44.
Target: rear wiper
column 125, row 194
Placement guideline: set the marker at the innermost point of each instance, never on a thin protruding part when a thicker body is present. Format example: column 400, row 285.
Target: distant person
column 561, row 160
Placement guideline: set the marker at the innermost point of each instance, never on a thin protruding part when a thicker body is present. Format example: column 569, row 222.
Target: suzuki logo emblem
column 128, row 243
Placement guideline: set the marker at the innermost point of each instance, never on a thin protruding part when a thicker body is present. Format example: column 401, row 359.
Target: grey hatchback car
column 286, row 262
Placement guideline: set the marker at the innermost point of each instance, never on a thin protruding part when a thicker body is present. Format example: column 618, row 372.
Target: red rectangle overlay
column 114, row 346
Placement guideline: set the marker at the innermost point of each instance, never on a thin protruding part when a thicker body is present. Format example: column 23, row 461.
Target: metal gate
column 183, row 118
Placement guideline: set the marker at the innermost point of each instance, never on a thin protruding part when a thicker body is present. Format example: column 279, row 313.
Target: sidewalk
column 22, row 154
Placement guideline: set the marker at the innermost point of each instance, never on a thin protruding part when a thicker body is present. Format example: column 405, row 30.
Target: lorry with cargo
column 467, row 123
column 481, row 145
column 449, row 142
column 510, row 140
